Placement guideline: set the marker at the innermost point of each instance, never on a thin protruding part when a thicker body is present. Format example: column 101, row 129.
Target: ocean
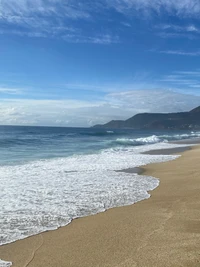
column 50, row 176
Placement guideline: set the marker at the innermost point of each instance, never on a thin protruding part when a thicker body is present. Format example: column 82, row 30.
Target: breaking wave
column 153, row 139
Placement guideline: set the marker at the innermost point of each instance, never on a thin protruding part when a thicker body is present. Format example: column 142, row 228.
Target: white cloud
column 157, row 100
column 190, row 73
column 50, row 19
column 56, row 112
column 181, row 53
column 12, row 91
column 43, row 112
column 178, row 28
column 126, row 24
column 98, row 39
column 40, row 18
column 88, row 87
column 167, row 35
column 120, row 105
column 192, row 28
column 189, row 31
column 27, row 10
column 184, row 80
column 179, row 7
column 54, row 18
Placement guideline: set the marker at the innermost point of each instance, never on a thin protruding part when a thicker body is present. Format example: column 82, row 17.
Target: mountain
column 173, row 121
column 196, row 110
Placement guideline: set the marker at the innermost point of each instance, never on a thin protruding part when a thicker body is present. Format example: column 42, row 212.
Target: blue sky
column 78, row 63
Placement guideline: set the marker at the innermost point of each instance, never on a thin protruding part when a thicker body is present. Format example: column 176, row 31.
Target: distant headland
column 166, row 121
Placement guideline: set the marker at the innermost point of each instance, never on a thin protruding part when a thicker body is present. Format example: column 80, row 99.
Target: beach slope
column 161, row 231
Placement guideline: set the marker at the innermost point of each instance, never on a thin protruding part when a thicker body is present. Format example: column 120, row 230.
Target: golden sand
column 161, row 231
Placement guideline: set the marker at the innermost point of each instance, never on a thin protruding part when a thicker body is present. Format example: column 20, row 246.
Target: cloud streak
column 10, row 91
column 189, row 31
column 182, row 8
column 185, row 80
column 178, row 28
column 26, row 10
column 181, row 53
column 105, row 39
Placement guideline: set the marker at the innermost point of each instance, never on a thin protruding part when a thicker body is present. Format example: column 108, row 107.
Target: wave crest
column 139, row 141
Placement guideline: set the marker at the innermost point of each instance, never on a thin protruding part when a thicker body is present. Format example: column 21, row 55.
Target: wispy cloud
column 51, row 19
column 178, row 28
column 188, row 73
column 182, row 8
column 41, row 18
column 183, row 79
column 190, row 31
column 10, row 91
column 181, row 53
column 192, row 28
column 57, row 112
column 96, row 39
column 156, row 100
column 26, row 11
column 179, row 35
column 57, row 18
column 88, row 87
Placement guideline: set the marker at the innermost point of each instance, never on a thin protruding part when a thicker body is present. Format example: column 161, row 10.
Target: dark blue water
column 21, row 144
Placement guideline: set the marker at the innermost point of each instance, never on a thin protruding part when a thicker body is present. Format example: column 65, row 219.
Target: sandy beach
column 162, row 231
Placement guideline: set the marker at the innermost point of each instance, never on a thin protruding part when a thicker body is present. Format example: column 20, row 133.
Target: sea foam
column 153, row 139
column 5, row 263
column 46, row 194
column 139, row 141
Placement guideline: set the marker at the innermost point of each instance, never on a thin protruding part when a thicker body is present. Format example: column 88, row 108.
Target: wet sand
column 163, row 231
column 168, row 151
column 187, row 141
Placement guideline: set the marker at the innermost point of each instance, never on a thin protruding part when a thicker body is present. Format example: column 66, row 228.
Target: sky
column 83, row 62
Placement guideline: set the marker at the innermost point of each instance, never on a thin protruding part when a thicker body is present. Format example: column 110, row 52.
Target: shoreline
column 41, row 246
column 162, row 151
column 168, row 151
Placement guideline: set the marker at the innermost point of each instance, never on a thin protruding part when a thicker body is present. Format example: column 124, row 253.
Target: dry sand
column 161, row 231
